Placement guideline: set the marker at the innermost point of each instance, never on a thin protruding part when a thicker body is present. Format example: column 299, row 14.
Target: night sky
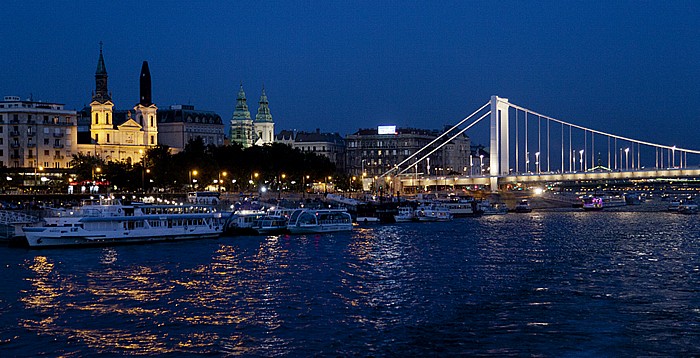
column 627, row 67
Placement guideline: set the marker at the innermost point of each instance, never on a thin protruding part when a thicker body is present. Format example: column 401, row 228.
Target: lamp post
column 224, row 174
column 279, row 186
column 581, row 160
column 537, row 161
column 193, row 173
column 627, row 157
column 36, row 180
column 428, row 166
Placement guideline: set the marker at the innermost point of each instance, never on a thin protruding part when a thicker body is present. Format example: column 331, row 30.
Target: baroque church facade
column 246, row 131
column 118, row 135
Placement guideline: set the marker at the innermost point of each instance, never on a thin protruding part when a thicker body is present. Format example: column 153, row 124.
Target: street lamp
column 627, row 157
column 279, row 186
column 224, row 174
column 193, row 173
column 537, row 161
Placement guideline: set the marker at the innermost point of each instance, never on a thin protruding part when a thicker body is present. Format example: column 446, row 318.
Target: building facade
column 330, row 145
column 118, row 135
column 373, row 154
column 180, row 124
column 36, row 135
column 247, row 132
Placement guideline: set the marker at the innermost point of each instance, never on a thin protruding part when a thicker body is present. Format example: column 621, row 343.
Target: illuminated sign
column 386, row 130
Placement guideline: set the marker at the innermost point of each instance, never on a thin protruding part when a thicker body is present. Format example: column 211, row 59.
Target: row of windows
column 33, row 164
column 97, row 119
column 97, row 139
column 30, row 119
column 32, row 131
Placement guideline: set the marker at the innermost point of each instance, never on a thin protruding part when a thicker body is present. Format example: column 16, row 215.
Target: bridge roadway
column 410, row 181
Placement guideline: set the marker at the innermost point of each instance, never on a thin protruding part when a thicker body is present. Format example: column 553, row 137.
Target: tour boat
column 460, row 207
column 316, row 221
column 433, row 212
column 112, row 224
column 405, row 214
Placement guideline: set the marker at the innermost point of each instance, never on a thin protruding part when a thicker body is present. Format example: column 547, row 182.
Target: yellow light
column 194, row 172
column 224, row 174
column 255, row 175
column 41, row 168
column 98, row 169
column 284, row 176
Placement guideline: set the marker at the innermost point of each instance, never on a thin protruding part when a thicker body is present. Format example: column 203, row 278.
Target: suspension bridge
column 530, row 147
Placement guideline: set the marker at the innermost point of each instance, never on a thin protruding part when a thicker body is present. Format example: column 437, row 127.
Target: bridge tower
column 498, row 159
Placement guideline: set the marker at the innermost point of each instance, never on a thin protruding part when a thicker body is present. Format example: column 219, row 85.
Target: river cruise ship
column 112, row 224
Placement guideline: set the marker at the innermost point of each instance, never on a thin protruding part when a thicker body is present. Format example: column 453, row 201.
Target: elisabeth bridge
column 527, row 147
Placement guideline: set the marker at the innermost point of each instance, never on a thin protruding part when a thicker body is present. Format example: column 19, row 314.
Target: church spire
column 101, row 92
column 145, row 85
column 241, row 112
column 264, row 109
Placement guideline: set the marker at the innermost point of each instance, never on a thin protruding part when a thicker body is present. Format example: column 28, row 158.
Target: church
column 248, row 132
column 118, row 135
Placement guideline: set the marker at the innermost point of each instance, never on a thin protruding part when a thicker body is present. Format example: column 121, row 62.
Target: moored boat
column 433, row 212
column 113, row 224
column 270, row 225
column 316, row 221
column 405, row 214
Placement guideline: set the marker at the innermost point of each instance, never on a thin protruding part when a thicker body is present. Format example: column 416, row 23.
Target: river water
column 546, row 283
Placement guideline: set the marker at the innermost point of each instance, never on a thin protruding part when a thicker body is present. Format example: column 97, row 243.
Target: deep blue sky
column 628, row 67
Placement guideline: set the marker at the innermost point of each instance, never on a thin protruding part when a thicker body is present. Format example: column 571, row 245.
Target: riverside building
column 35, row 135
column 180, row 124
column 330, row 145
column 371, row 153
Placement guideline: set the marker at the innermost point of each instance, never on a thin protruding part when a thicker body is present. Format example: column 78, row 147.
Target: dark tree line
column 199, row 165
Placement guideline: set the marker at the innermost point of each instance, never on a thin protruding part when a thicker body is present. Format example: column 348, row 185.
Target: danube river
column 554, row 284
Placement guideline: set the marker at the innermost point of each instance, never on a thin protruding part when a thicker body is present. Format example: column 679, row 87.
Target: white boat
column 405, row 214
column 591, row 203
column 316, row 221
column 433, row 212
column 674, row 205
column 112, row 224
column 460, row 208
column 241, row 222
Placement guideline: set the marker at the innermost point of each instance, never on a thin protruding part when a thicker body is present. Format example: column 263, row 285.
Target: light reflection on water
column 570, row 283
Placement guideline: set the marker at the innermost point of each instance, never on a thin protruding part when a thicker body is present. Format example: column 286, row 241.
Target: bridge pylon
column 498, row 156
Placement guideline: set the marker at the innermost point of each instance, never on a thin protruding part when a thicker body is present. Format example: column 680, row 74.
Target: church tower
column 145, row 110
column 241, row 130
column 101, row 107
column 264, row 126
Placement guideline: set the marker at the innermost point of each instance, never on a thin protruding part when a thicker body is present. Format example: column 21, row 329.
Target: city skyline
column 622, row 66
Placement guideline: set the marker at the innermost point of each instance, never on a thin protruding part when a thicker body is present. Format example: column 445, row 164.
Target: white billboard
column 386, row 130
